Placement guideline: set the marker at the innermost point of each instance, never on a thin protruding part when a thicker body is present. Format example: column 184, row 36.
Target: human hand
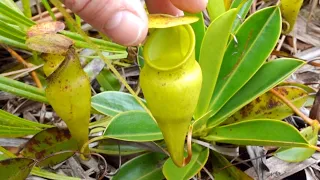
column 125, row 21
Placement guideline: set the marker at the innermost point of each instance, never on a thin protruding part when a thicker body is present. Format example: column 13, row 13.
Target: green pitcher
column 171, row 81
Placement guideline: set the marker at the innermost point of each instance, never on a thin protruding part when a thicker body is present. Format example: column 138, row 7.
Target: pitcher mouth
column 169, row 48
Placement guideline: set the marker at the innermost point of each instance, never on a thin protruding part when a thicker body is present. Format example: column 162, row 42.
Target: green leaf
column 261, row 82
column 244, row 6
column 199, row 158
column 12, row 32
column 48, row 142
column 9, row 13
column 269, row 106
column 112, row 147
column 211, row 55
column 133, row 126
column 12, row 120
column 300, row 154
column 140, row 58
column 22, row 89
column 108, row 81
column 26, row 8
column 13, row 126
column 256, row 39
column 222, row 169
column 259, row 132
column 49, row 175
column 16, row 168
column 144, row 167
column 112, row 103
column 215, row 8
column 199, row 30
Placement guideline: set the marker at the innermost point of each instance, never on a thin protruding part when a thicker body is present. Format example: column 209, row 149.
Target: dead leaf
column 165, row 21
column 49, row 43
column 45, row 28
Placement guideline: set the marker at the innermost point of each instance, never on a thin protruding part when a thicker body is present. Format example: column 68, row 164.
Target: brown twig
column 26, row 64
column 293, row 107
column 189, row 147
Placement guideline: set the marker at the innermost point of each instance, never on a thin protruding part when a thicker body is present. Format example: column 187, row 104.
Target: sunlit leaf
column 16, row 168
column 300, row 154
column 45, row 28
column 269, row 106
column 215, row 8
column 165, row 21
column 145, row 167
column 133, row 126
column 199, row 158
column 50, row 175
column 112, row 103
column 256, row 38
column 49, row 43
column 211, row 56
column 69, row 94
column 259, row 132
column 223, row 170
column 48, row 142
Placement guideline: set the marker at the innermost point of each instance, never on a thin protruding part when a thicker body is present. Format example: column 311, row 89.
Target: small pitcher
column 171, row 82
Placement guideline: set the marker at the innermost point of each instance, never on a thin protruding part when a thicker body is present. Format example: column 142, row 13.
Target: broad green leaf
column 269, row 106
column 145, row 167
column 16, row 168
column 49, row 43
column 223, row 170
column 48, row 142
column 256, row 39
column 211, row 54
column 22, row 89
column 112, row 103
column 300, row 154
column 108, row 81
column 244, row 6
column 215, row 8
column 261, row 82
column 133, row 126
column 165, row 21
column 112, row 148
column 199, row 30
column 258, row 132
column 199, row 158
column 49, row 175
column 69, row 94
column 12, row 131
column 290, row 11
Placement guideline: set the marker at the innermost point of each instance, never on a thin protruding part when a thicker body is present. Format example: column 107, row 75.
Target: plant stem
column 293, row 107
column 22, row 61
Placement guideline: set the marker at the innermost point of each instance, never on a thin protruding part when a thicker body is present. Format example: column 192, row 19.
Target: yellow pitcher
column 171, row 81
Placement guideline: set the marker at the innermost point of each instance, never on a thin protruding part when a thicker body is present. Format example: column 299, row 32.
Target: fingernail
column 125, row 27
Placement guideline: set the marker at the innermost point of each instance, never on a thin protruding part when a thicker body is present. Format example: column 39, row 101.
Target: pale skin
column 125, row 21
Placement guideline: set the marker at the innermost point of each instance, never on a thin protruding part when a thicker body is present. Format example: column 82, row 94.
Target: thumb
column 124, row 21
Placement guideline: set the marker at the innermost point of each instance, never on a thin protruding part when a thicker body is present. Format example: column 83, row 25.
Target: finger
column 191, row 6
column 162, row 7
column 124, row 21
